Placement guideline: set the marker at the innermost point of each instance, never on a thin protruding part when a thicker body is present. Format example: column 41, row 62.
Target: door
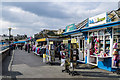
column 81, row 49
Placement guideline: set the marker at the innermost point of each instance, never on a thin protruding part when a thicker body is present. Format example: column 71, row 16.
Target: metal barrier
column 4, row 53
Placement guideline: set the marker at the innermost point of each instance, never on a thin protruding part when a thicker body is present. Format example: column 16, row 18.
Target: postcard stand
column 73, row 58
column 52, row 54
column 67, row 63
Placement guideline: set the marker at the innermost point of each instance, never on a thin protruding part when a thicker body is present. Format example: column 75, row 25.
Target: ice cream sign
column 97, row 20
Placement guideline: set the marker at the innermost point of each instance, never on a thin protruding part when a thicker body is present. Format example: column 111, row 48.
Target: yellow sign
column 73, row 41
column 44, row 55
column 43, row 39
column 51, row 42
column 65, row 41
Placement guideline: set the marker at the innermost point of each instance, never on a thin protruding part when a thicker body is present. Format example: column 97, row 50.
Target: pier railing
column 4, row 53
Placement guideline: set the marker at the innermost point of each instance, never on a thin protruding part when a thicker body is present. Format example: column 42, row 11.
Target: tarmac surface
column 30, row 66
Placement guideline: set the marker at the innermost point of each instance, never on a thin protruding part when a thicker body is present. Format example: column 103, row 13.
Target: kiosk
column 101, row 41
column 73, row 56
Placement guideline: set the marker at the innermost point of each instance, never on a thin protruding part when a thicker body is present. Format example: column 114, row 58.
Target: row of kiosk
column 96, row 41
column 99, row 41
column 54, row 47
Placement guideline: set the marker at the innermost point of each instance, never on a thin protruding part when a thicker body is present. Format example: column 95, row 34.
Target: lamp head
column 9, row 28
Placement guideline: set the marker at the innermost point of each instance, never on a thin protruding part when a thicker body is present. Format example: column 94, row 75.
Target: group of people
column 16, row 46
column 28, row 46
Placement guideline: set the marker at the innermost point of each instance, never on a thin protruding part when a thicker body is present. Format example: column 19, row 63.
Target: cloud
column 41, row 9
column 16, row 14
column 32, row 17
column 87, row 9
column 23, row 21
column 6, row 24
column 60, row 0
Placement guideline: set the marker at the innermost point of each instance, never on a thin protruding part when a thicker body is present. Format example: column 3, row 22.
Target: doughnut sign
column 97, row 20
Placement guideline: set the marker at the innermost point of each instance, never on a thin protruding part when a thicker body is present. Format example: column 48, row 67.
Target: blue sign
column 70, row 27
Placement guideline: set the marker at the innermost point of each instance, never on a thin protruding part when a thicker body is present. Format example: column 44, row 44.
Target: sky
column 31, row 17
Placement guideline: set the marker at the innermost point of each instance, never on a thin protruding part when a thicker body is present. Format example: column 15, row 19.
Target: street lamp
column 9, row 31
column 9, row 39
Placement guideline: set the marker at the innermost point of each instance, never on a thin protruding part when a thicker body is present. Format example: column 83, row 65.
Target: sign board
column 44, row 55
column 70, row 27
column 97, row 20
column 51, row 42
column 73, row 41
column 65, row 41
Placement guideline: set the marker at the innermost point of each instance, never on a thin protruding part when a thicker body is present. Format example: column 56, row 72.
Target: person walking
column 22, row 46
column 14, row 45
column 28, row 46
column 31, row 45
column 25, row 46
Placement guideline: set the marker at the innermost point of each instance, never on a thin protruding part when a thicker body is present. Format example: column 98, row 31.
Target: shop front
column 99, row 44
column 102, row 42
column 80, row 45
column 76, row 37
column 48, row 48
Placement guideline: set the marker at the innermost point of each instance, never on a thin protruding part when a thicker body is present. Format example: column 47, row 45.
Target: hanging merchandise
column 90, row 43
column 65, row 59
column 51, row 53
column 115, row 52
column 96, row 45
column 34, row 49
column 115, row 45
column 91, row 52
column 47, row 54
column 115, row 59
column 38, row 50
column 101, row 53
column 73, row 59
column 52, row 56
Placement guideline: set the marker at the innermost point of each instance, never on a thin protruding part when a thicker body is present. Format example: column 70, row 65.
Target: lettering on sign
column 97, row 20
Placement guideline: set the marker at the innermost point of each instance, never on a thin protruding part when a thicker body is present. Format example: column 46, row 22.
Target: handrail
column 3, row 50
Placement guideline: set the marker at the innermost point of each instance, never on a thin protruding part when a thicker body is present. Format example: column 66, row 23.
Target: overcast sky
column 32, row 17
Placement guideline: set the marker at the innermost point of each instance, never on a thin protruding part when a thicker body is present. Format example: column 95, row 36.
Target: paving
column 29, row 65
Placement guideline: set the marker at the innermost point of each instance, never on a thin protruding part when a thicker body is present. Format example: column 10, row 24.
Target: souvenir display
column 65, row 57
column 116, row 49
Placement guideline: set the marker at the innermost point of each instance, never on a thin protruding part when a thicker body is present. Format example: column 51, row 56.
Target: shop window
column 116, row 47
column 107, row 45
column 101, row 41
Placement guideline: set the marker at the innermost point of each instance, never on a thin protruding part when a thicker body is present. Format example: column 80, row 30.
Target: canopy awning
column 42, row 39
column 19, row 42
column 107, row 25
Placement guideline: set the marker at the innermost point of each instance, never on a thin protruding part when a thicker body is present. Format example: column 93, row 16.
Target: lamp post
column 9, row 39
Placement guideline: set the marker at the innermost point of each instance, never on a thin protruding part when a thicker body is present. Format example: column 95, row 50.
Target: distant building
column 4, row 37
column 60, row 31
column 20, row 37
column 45, row 33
